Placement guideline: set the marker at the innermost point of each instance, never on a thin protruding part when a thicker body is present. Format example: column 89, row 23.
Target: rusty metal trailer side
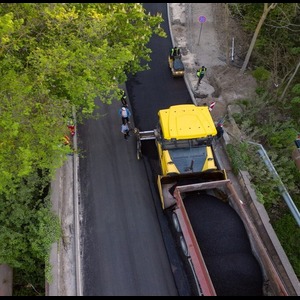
column 273, row 284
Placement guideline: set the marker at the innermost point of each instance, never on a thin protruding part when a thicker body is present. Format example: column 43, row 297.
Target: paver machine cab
column 184, row 137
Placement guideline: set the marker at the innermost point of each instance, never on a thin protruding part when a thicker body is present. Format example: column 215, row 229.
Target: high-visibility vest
column 72, row 129
column 201, row 71
column 66, row 140
column 175, row 52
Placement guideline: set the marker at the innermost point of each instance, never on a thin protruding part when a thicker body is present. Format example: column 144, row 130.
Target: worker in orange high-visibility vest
column 66, row 140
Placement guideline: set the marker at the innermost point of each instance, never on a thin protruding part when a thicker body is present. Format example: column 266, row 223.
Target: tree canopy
column 54, row 56
column 277, row 44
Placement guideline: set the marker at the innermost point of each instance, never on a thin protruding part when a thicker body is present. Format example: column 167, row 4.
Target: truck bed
column 225, row 246
column 225, row 251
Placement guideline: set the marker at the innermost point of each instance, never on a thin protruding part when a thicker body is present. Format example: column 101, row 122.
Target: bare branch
column 289, row 82
column 237, row 9
column 284, row 14
column 284, row 27
column 287, row 24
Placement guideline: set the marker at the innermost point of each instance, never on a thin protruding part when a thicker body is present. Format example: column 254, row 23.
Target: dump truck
column 221, row 248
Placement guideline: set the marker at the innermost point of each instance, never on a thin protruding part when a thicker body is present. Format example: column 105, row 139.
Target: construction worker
column 124, row 99
column 200, row 74
column 71, row 127
column 66, row 140
column 125, row 131
column 125, row 113
column 174, row 52
column 220, row 130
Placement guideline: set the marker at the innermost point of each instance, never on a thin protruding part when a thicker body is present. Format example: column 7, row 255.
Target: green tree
column 28, row 225
column 53, row 56
column 81, row 51
column 276, row 36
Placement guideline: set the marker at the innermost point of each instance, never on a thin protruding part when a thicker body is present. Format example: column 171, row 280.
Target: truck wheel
column 138, row 150
column 138, row 155
column 183, row 246
column 176, row 223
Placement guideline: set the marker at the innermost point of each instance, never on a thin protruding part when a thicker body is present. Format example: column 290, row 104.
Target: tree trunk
column 227, row 33
column 290, row 80
column 257, row 30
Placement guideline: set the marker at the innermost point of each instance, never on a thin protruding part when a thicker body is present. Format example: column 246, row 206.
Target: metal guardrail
column 286, row 196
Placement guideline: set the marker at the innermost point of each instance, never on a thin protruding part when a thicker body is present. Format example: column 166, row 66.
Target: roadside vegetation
column 272, row 118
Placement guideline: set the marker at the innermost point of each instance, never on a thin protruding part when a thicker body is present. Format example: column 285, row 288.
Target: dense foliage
column 55, row 57
column 277, row 47
column 272, row 118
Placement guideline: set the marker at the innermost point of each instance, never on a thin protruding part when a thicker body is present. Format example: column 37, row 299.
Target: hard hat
column 123, row 108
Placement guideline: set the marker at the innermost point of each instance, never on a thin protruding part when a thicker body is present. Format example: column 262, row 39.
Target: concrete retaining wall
column 6, row 280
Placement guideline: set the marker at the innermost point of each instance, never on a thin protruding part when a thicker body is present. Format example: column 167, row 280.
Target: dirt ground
column 222, row 84
column 232, row 85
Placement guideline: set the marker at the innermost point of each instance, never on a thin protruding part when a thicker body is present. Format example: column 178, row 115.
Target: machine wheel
column 139, row 155
column 183, row 246
column 138, row 150
column 176, row 223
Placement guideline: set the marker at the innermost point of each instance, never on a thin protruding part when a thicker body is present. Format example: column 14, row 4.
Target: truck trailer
column 220, row 245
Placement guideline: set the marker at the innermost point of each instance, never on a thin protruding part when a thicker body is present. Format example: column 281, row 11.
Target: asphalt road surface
column 156, row 89
column 123, row 250
column 123, row 229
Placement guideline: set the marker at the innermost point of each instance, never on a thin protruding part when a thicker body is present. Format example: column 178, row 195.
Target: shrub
column 260, row 91
column 288, row 233
column 261, row 74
